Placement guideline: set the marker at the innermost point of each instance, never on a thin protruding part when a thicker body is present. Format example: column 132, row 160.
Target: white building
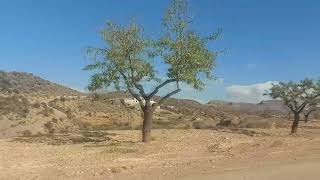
column 134, row 102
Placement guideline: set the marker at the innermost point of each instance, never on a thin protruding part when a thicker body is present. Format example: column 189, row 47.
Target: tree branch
column 168, row 95
column 310, row 111
column 131, row 91
column 137, row 85
column 303, row 105
column 156, row 90
column 291, row 107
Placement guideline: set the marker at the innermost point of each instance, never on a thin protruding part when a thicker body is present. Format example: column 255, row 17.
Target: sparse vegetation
column 297, row 96
column 182, row 49
column 26, row 133
column 46, row 112
column 36, row 105
column 49, row 127
column 18, row 105
column 200, row 124
column 236, row 128
column 26, row 83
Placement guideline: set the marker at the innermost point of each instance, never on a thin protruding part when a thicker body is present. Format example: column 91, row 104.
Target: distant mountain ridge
column 27, row 83
column 263, row 106
column 31, row 105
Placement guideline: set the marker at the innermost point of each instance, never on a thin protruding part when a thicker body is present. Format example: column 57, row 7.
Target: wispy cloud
column 214, row 89
column 253, row 93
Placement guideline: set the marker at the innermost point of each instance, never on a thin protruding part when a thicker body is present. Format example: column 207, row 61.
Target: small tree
column 125, row 63
column 310, row 108
column 297, row 96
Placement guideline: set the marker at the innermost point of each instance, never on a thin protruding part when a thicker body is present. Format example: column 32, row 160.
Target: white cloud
column 249, row 93
column 214, row 89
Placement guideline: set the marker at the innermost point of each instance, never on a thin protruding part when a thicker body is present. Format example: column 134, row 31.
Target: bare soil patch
column 173, row 154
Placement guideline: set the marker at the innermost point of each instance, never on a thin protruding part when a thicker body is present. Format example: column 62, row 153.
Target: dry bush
column 201, row 124
column 229, row 122
column 256, row 123
column 26, row 133
column 46, row 112
column 54, row 120
column 16, row 104
column 63, row 99
column 69, row 113
column 36, row 105
column 49, row 127
column 44, row 105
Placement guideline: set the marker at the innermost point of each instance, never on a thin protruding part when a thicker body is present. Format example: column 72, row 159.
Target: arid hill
column 27, row 83
column 32, row 105
column 270, row 106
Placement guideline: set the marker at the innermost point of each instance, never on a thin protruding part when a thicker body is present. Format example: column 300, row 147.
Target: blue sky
column 265, row 40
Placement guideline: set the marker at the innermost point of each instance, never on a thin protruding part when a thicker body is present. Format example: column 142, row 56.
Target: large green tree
column 126, row 61
column 297, row 96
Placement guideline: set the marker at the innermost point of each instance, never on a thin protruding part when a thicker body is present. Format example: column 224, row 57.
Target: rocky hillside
column 30, row 105
column 26, row 83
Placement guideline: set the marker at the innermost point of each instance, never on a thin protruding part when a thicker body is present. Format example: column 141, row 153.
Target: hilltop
column 27, row 83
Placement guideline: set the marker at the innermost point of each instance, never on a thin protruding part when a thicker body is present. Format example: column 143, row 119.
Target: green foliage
column 184, row 50
column 297, row 96
column 126, row 61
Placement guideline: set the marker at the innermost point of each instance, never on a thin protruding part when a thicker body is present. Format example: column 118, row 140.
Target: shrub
column 15, row 104
column 54, row 120
column 26, row 133
column 49, row 127
column 44, row 105
column 200, row 124
column 252, row 123
column 69, row 113
column 46, row 112
column 36, row 105
column 63, row 99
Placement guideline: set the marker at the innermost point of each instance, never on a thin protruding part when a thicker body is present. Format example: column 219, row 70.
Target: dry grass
column 18, row 105
column 66, row 138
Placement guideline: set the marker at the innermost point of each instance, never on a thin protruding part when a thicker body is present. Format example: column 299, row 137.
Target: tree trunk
column 306, row 117
column 147, row 123
column 295, row 123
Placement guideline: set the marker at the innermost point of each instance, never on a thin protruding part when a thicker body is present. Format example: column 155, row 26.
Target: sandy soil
column 305, row 168
column 173, row 154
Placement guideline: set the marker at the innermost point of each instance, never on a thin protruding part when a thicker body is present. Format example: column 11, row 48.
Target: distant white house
column 134, row 102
